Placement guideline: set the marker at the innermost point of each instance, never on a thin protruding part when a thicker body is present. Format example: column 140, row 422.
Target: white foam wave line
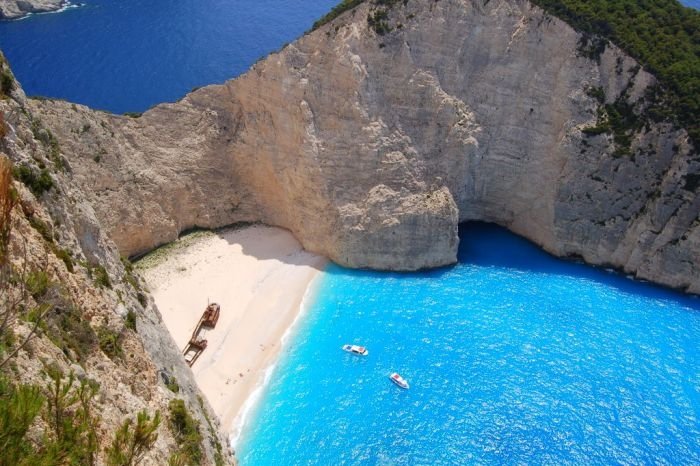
column 251, row 402
column 66, row 7
column 303, row 308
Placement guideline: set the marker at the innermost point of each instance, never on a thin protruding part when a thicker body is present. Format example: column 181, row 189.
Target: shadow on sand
column 270, row 243
column 481, row 245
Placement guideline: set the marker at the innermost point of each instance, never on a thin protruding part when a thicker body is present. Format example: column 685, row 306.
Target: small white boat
column 398, row 380
column 354, row 349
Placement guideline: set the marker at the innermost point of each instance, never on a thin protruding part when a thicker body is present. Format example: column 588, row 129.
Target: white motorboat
column 398, row 380
column 354, row 349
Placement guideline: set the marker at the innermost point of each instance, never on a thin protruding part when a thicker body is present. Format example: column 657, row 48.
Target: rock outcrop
column 97, row 322
column 372, row 147
column 13, row 9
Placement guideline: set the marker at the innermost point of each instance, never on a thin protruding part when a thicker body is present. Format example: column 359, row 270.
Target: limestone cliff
column 12, row 9
column 373, row 136
column 65, row 280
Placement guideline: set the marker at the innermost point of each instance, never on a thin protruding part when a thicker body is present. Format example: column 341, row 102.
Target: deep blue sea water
column 128, row 55
column 513, row 356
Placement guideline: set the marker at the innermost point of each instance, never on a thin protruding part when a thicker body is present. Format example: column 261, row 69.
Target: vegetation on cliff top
column 347, row 5
column 337, row 10
column 663, row 35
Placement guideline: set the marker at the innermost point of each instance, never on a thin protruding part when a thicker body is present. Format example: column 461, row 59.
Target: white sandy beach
column 259, row 276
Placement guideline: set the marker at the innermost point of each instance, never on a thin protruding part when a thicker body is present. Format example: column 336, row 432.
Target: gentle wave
column 251, row 402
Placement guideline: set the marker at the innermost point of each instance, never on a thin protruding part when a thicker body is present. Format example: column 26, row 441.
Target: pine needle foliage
column 72, row 437
column 46, row 426
column 19, row 407
column 187, row 435
column 132, row 442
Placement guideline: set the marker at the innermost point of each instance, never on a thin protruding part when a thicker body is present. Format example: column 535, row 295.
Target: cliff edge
column 372, row 137
column 84, row 355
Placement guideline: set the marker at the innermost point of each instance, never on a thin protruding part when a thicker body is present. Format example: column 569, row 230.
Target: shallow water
column 128, row 55
column 512, row 356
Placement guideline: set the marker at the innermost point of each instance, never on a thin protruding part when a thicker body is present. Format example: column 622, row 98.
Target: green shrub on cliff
column 338, row 10
column 55, row 424
column 73, row 335
column 7, row 82
column 110, row 342
column 19, row 407
column 132, row 442
column 100, row 276
column 185, row 429
column 58, row 415
column 376, row 20
column 38, row 183
column 663, row 35
column 213, row 438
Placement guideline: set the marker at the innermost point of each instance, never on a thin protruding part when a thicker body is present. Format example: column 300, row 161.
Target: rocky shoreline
column 16, row 9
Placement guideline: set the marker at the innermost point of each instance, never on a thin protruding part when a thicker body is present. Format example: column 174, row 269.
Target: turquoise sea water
column 513, row 356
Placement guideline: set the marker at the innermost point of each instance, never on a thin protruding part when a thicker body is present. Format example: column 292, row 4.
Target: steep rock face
column 371, row 148
column 90, row 291
column 11, row 9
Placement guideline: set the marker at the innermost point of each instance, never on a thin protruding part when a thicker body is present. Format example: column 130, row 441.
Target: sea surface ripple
column 128, row 55
column 513, row 356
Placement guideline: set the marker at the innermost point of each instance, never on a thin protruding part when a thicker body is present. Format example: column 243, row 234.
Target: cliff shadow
column 489, row 245
column 265, row 242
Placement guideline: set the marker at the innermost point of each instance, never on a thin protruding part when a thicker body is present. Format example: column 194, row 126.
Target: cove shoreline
column 263, row 280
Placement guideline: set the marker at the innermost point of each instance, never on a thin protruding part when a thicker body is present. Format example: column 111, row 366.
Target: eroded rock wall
column 371, row 148
column 89, row 292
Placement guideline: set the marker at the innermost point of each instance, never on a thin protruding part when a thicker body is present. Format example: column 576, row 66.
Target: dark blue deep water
column 513, row 356
column 128, row 55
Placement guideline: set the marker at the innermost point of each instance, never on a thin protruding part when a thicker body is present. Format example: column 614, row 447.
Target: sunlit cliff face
column 371, row 148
